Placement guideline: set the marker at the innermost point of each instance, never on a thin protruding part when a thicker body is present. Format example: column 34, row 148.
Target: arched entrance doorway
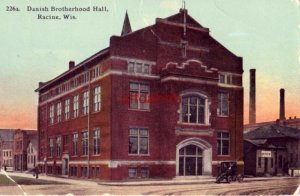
column 190, row 161
column 193, row 157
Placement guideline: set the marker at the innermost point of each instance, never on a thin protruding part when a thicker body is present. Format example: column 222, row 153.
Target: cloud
column 172, row 5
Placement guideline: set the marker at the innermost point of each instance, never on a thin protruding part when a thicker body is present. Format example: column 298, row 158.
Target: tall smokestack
column 282, row 105
column 252, row 97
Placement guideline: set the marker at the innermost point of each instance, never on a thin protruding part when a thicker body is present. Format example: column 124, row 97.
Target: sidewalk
column 149, row 182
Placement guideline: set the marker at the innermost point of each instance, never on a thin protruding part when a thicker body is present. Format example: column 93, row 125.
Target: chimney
column 252, row 98
column 282, row 105
column 71, row 64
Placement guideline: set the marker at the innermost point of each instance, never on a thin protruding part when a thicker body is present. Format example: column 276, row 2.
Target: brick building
column 6, row 148
column 162, row 101
column 23, row 139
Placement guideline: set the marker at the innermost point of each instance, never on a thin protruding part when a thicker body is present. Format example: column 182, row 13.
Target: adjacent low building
column 272, row 149
column 24, row 149
column 6, row 148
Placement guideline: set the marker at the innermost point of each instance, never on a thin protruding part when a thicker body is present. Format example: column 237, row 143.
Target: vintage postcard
column 158, row 97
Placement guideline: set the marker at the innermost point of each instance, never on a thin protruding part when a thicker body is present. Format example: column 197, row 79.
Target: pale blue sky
column 265, row 33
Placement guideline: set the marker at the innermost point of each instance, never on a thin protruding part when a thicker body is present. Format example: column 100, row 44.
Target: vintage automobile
column 229, row 172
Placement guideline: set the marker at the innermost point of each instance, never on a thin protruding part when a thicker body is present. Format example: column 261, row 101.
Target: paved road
column 257, row 186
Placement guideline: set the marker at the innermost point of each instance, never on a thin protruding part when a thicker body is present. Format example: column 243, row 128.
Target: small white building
column 32, row 154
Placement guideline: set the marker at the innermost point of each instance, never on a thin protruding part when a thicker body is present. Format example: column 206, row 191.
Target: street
column 52, row 185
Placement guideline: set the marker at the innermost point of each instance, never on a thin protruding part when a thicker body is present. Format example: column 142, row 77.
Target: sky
column 265, row 33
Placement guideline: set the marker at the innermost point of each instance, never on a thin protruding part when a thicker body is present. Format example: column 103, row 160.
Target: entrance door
column 190, row 161
column 190, row 166
column 65, row 166
column 266, row 165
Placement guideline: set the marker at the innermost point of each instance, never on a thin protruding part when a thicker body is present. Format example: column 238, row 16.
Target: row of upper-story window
column 194, row 107
column 74, row 82
column 139, row 67
column 138, row 143
column 62, row 110
column 60, row 144
column 134, row 67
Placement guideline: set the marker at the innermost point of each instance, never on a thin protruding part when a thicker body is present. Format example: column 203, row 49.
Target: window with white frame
column 85, row 144
column 139, row 96
column 132, row 172
column 97, row 99
column 51, row 114
column 85, row 105
column 145, row 172
column 184, row 45
column 97, row 71
column 223, row 142
column 96, row 141
column 58, row 110
column 75, row 106
column 75, row 143
column 225, row 78
column 51, row 146
column 58, row 146
column 86, row 76
column 223, row 104
column 193, row 109
column 222, row 78
column 67, row 109
column 138, row 141
column 139, row 67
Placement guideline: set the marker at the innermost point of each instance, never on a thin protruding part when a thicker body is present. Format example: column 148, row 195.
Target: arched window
column 194, row 109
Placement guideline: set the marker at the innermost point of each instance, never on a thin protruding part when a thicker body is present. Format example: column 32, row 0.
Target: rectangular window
column 58, row 146
column 85, row 102
column 223, row 143
column 85, row 136
column 139, row 96
column 145, row 172
column 259, row 162
column 272, row 162
column 75, row 143
column 97, row 99
column 139, row 68
column 280, row 161
column 51, row 114
column 97, row 71
column 67, row 109
column 229, row 79
column 131, row 67
column 225, row 78
column 96, row 141
column 58, row 111
column 97, row 172
column 221, row 78
column 51, row 147
column 193, row 109
column 138, row 141
column 86, row 77
column 75, row 106
column 65, row 142
column 132, row 173
column 223, row 102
